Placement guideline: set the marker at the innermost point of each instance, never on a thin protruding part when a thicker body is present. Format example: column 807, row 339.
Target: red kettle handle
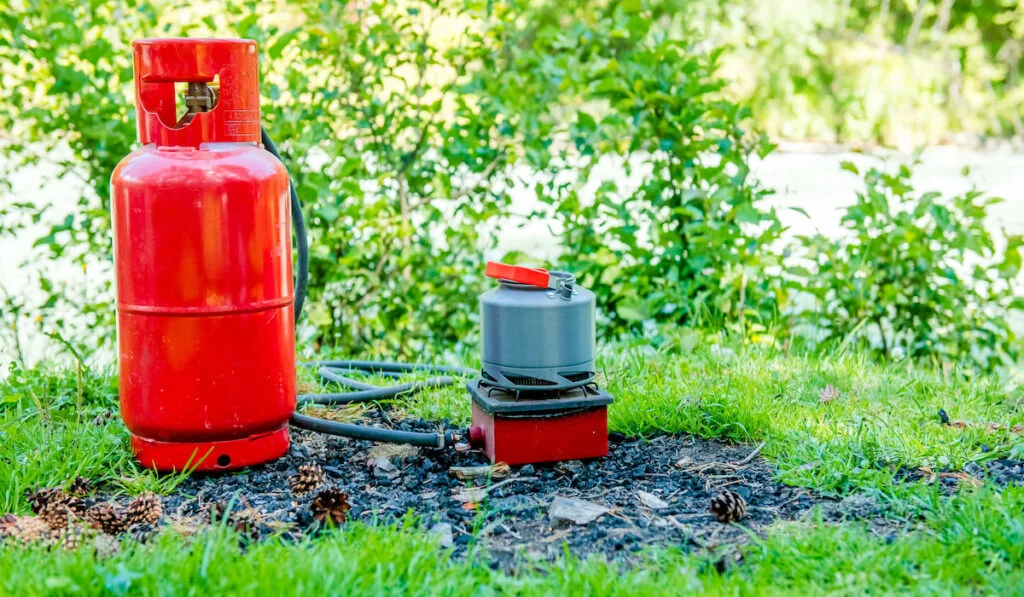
column 533, row 276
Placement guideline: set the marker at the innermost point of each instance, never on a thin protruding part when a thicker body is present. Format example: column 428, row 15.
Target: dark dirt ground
column 654, row 493
column 512, row 521
column 999, row 472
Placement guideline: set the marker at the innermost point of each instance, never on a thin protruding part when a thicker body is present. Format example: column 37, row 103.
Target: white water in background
column 802, row 176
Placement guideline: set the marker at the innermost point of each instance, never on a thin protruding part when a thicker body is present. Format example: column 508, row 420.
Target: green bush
column 392, row 117
column 64, row 102
column 415, row 143
column 918, row 274
column 405, row 125
column 680, row 237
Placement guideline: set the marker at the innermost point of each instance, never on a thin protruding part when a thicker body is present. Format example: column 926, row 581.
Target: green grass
column 886, row 418
column 975, row 544
column 45, row 440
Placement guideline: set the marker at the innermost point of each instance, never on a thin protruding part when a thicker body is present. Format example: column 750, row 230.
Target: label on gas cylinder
column 241, row 123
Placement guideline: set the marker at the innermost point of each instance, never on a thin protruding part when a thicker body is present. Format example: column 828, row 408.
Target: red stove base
column 543, row 438
column 516, row 428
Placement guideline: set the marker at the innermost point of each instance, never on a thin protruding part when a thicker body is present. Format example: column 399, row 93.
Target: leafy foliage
column 897, row 72
column 682, row 239
column 65, row 107
column 392, row 120
column 404, row 143
column 405, row 126
column 919, row 271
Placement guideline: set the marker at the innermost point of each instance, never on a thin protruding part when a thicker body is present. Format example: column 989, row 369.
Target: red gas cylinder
column 202, row 248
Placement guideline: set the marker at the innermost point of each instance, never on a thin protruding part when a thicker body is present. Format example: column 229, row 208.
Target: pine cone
column 142, row 533
column 243, row 521
column 728, row 506
column 331, row 505
column 107, row 517
column 28, row 529
column 75, row 504
column 58, row 515
column 8, row 524
column 309, row 477
column 246, row 521
column 69, row 538
column 81, row 487
column 144, row 509
column 39, row 497
column 58, row 508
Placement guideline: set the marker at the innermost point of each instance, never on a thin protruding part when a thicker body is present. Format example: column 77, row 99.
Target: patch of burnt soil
column 644, row 493
column 1000, row 472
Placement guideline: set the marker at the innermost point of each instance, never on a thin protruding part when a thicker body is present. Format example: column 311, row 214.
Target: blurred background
column 800, row 174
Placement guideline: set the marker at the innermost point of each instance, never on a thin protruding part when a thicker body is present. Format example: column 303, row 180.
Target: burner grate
column 498, row 399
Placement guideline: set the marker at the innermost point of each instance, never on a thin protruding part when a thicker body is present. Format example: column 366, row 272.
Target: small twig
column 556, row 536
column 735, row 466
column 476, row 494
column 494, row 486
column 489, row 528
column 750, row 456
column 693, row 516
column 510, row 531
column 615, row 513
column 714, row 534
column 678, row 525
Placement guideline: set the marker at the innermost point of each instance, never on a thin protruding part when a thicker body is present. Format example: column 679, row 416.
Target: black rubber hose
column 333, row 370
column 299, row 224
column 364, row 392
column 373, row 434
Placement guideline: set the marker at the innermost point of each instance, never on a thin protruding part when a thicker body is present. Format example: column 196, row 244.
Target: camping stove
column 525, row 427
column 536, row 399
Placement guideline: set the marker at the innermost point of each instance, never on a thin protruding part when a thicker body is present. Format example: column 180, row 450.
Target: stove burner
column 587, row 389
column 550, row 379
column 496, row 399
